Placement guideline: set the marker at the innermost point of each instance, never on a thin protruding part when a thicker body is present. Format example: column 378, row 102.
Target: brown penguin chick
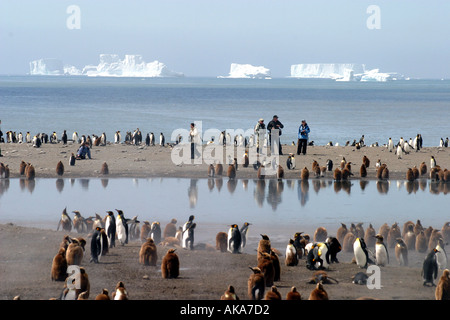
column 103, row 296
column 260, row 174
column 446, row 175
column 59, row 266
column 273, row 294
column 370, row 234
column 416, row 172
column 380, row 171
column 293, row 294
column 231, row 172
column 170, row 265
column 363, row 171
column 22, row 167
column 148, row 254
column 434, row 174
column 59, row 168
column 346, row 174
column 348, row 166
column 385, row 174
column 422, row 168
column 401, row 252
column 304, row 175
column 280, row 172
column 256, row 284
column 341, row 232
column 30, row 173
column 442, row 291
column 170, row 229
column 263, row 246
column 384, row 230
column 65, row 242
column 145, row 231
column 393, row 234
column 318, row 293
column 120, row 293
column 347, row 244
column 408, row 225
column 105, row 169
column 410, row 175
column 410, row 238
column 74, row 253
column 276, row 265
column 219, row 169
column 434, row 239
column 265, row 264
column 428, row 231
column 337, row 174
column 221, row 241
column 445, row 230
column 320, row 234
column 314, row 165
column 366, row 161
column 229, row 294
column 418, row 227
column 343, row 163
column 359, row 230
column 421, row 242
column 317, row 172
column 85, row 285
column 83, row 296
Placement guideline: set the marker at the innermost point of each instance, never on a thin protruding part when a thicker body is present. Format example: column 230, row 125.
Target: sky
column 201, row 38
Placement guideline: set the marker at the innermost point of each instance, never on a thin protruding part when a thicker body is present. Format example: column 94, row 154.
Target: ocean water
column 335, row 111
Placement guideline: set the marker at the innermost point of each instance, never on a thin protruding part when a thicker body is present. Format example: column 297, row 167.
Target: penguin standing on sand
column 430, row 268
column 155, row 232
column 162, row 140
column 291, row 254
column 381, row 252
column 72, row 159
column 96, row 245
column 110, row 226
column 432, row 162
column 122, row 228
column 147, row 140
column 65, row 221
column 361, row 253
column 152, row 139
column 401, row 252
column 234, row 239
column 244, row 233
column 290, row 162
column 188, row 234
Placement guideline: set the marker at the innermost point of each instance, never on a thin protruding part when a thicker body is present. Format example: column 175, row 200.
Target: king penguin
column 290, row 162
column 361, row 253
column 155, row 232
column 122, row 228
column 188, row 234
column 381, row 252
column 65, row 221
column 162, row 140
column 110, row 227
column 291, row 258
column 244, row 234
column 234, row 239
column 401, row 252
column 430, row 268
column 96, row 245
column 152, row 139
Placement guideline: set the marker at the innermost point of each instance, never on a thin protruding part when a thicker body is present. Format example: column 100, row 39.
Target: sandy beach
column 26, row 253
column 155, row 161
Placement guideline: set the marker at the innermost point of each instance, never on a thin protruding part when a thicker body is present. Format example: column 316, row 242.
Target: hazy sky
column 203, row 37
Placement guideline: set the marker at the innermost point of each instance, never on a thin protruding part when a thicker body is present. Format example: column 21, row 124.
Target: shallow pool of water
column 287, row 205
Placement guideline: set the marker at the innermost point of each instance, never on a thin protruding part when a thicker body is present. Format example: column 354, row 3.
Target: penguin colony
column 318, row 255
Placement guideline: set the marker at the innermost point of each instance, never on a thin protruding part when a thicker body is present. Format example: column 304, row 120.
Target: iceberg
column 327, row 70
column 342, row 72
column 110, row 65
column 131, row 66
column 248, row 71
column 46, row 67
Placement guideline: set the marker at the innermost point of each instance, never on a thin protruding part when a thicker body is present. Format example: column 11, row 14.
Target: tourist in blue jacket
column 303, row 133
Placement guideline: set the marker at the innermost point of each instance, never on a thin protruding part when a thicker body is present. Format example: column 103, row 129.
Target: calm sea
column 335, row 111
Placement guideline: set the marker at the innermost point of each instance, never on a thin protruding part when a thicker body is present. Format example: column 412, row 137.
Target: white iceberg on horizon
column 376, row 75
column 327, row 70
column 248, row 71
column 131, row 66
column 46, row 67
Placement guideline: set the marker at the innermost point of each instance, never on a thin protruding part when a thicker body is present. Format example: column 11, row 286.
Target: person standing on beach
column 275, row 124
column 84, row 151
column 303, row 134
column 259, row 132
column 193, row 137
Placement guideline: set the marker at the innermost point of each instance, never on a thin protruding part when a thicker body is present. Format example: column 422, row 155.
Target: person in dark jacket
column 303, row 134
column 275, row 124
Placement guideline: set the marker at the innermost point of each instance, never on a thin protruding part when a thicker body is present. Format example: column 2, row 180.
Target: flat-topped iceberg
column 248, row 71
column 131, row 66
column 110, row 65
column 341, row 72
column 47, row 67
